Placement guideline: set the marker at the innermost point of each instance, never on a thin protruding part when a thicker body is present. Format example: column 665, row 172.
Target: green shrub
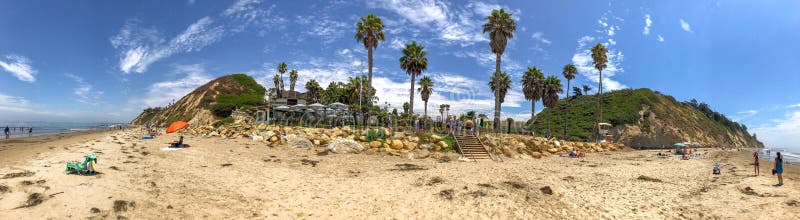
column 224, row 121
column 451, row 143
column 377, row 134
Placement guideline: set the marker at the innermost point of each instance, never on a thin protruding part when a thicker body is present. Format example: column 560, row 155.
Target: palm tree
column 501, row 27
column 425, row 89
column 441, row 111
column 586, row 89
column 292, row 80
column 552, row 87
column 414, row 63
column 483, row 118
column 369, row 31
column 532, row 81
column 406, row 106
column 499, row 85
column 569, row 73
column 313, row 89
column 277, row 80
column 599, row 59
column 447, row 109
column 282, row 70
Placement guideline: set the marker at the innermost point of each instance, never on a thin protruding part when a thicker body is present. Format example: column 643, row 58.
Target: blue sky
column 106, row 61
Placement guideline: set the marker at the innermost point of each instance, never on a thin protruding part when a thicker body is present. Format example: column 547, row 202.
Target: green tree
column 441, row 111
column 406, row 107
column 569, row 73
column 509, row 121
column 599, row 59
column 281, row 70
column 532, row 88
column 313, row 89
column 500, row 27
column 500, row 84
column 277, row 80
column 586, row 89
column 425, row 90
column 576, row 91
column 292, row 80
column 552, row 87
column 369, row 31
column 414, row 62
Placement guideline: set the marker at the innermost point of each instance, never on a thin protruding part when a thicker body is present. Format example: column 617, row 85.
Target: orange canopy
column 175, row 126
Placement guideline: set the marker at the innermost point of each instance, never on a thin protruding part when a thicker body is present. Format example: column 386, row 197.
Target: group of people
column 7, row 131
column 454, row 125
column 777, row 168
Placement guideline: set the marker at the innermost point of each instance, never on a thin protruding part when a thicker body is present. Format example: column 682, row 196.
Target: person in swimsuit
column 779, row 168
column 755, row 162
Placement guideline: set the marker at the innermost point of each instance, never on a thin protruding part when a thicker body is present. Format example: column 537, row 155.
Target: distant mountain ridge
column 208, row 103
column 644, row 118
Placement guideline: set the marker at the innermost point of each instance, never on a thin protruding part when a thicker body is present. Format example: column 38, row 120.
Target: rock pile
column 347, row 140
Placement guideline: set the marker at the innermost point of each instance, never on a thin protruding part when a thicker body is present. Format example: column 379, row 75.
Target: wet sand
column 240, row 179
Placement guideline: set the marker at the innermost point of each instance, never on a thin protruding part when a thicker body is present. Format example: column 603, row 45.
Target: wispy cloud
column 22, row 108
column 539, row 36
column 141, row 46
column 660, row 38
column 794, row 106
column 20, row 67
column 162, row 93
column 85, row 91
column 780, row 132
column 454, row 24
column 685, row 26
column 647, row 24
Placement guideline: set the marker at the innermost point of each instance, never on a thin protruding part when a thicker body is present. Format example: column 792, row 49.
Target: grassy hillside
column 221, row 96
column 643, row 117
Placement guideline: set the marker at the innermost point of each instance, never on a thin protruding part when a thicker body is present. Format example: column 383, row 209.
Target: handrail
column 487, row 150
column 458, row 145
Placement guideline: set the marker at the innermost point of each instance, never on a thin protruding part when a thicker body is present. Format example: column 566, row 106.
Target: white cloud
column 611, row 31
column 612, row 42
column 782, row 132
column 660, row 38
column 583, row 61
column 162, row 93
column 539, row 36
column 487, row 59
column 21, row 108
column 602, row 22
column 452, row 24
column 20, row 67
column 85, row 91
column 141, row 47
column 647, row 24
column 685, row 26
column 794, row 106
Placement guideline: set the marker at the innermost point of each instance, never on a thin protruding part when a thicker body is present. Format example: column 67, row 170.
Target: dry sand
column 240, row 179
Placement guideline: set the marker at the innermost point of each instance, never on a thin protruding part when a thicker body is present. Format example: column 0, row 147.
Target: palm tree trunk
column 599, row 107
column 426, row 109
column 533, row 118
column 411, row 102
column 566, row 113
column 549, row 111
column 369, row 59
column 496, row 125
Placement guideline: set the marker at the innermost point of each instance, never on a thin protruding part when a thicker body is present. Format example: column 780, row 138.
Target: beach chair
column 716, row 168
column 82, row 168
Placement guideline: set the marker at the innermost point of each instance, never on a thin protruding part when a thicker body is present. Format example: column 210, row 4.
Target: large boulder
column 435, row 138
column 298, row 141
column 397, row 144
column 345, row 146
column 375, row 144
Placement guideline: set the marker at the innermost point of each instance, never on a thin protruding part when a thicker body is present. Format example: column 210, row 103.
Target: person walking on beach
column 6, row 131
column 778, row 168
column 30, row 131
column 755, row 163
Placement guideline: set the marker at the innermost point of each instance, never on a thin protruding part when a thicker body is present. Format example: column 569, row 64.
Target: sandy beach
column 239, row 179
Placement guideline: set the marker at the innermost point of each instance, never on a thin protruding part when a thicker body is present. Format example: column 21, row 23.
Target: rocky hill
column 208, row 103
column 643, row 118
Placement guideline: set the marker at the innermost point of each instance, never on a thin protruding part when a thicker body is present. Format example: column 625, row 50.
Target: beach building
column 263, row 113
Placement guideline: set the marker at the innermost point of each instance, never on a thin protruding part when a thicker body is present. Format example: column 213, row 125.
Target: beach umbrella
column 282, row 108
column 175, row 126
column 299, row 106
column 679, row 144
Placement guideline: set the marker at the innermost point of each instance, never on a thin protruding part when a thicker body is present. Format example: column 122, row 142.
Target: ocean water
column 19, row 129
column 789, row 155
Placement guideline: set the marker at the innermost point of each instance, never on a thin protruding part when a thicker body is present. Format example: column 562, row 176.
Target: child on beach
column 778, row 168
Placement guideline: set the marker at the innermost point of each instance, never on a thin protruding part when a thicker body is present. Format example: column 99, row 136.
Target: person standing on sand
column 755, row 163
column 778, row 168
column 30, row 131
column 6, row 131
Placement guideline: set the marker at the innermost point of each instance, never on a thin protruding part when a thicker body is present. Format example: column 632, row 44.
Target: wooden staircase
column 471, row 147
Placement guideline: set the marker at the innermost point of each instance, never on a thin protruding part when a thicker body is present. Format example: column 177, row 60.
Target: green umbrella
column 679, row 144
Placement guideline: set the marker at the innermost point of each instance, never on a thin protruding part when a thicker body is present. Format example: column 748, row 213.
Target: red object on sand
column 175, row 126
